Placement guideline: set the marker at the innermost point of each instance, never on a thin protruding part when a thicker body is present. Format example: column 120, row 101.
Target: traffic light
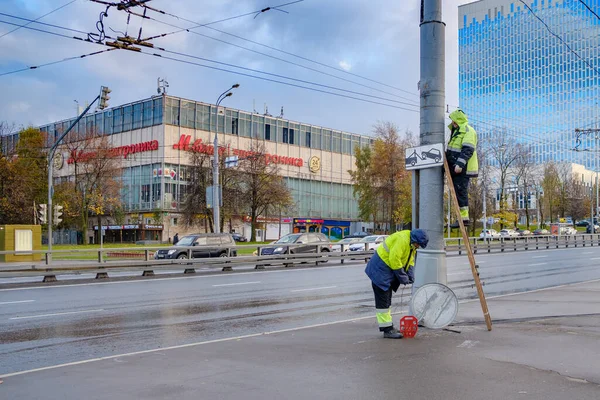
column 57, row 215
column 104, row 97
column 42, row 213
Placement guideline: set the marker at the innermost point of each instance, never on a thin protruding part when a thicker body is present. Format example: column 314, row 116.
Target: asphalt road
column 49, row 325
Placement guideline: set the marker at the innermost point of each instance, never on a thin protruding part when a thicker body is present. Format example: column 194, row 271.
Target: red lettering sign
column 116, row 151
column 199, row 147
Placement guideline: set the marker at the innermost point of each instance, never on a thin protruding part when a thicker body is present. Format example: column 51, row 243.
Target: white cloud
column 345, row 65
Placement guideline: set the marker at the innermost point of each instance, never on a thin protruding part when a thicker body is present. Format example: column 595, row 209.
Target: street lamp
column 216, row 197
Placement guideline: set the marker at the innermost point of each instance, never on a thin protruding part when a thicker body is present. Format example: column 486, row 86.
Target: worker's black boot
column 392, row 334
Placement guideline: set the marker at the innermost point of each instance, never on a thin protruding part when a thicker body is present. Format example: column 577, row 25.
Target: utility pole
column 432, row 261
column 103, row 97
column 216, row 187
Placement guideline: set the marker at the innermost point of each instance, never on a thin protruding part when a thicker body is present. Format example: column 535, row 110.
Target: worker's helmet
column 419, row 236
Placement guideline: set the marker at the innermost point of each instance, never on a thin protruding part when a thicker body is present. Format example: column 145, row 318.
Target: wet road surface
column 42, row 326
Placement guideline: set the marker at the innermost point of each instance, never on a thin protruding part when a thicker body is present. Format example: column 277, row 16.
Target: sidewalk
column 544, row 345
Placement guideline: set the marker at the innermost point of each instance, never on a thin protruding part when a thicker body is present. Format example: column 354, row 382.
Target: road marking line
column 236, row 284
column 597, row 258
column 536, row 265
column 588, row 252
column 539, row 257
column 230, row 339
column 16, row 302
column 468, row 344
column 318, row 288
column 56, row 314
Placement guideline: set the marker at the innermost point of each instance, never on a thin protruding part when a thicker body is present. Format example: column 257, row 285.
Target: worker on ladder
column 392, row 265
column 461, row 154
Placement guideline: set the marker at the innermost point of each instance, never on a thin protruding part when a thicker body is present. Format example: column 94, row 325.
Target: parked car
column 508, row 233
column 523, row 232
column 309, row 242
column 368, row 243
column 238, row 237
column 346, row 242
column 207, row 245
column 569, row 230
column 489, row 234
column 541, row 232
column 583, row 223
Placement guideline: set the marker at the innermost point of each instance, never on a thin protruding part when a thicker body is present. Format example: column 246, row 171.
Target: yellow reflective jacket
column 462, row 146
column 397, row 252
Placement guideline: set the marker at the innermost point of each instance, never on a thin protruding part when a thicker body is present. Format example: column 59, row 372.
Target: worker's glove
column 457, row 169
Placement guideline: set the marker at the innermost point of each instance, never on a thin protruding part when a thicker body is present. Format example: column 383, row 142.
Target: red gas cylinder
column 409, row 326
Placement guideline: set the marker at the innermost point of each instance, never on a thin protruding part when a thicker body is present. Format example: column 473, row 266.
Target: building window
column 174, row 223
column 157, row 111
column 285, row 135
column 268, row 131
column 291, row 136
column 147, row 114
column 118, row 120
column 234, row 126
column 127, row 118
column 307, row 139
column 172, row 111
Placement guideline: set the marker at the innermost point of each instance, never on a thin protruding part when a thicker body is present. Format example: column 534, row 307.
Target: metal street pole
column 51, row 153
column 216, row 197
column 432, row 261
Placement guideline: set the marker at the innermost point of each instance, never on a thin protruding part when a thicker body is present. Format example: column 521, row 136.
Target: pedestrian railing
column 505, row 244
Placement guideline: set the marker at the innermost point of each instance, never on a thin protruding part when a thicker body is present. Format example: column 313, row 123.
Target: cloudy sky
column 378, row 40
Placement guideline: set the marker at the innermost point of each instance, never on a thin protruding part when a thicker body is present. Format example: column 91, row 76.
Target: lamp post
column 216, row 197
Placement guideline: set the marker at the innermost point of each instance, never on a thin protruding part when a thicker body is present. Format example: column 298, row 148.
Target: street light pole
column 216, row 197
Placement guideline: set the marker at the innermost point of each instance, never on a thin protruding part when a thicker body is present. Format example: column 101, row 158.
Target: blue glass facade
column 518, row 80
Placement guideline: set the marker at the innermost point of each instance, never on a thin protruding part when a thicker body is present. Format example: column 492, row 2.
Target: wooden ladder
column 463, row 230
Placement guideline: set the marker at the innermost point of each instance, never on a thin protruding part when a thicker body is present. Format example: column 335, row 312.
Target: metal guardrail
column 101, row 267
column 520, row 243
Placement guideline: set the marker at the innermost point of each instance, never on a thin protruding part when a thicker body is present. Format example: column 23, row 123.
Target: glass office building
column 519, row 82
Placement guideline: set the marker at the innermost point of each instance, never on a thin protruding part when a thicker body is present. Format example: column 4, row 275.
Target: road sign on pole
column 427, row 156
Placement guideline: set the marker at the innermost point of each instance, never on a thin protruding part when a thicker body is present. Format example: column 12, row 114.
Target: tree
column 551, row 187
column 364, row 188
column 96, row 186
column 261, row 187
column 23, row 178
column 194, row 209
column 525, row 177
column 381, row 183
column 504, row 155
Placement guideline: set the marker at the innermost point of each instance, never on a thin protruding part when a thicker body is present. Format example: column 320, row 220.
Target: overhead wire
column 280, row 59
column 38, row 18
column 589, row 9
column 199, row 25
column 228, row 71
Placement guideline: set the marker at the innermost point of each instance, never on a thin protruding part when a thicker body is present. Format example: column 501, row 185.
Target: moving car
column 368, row 243
column 206, row 245
column 309, row 242
column 489, row 234
column 508, row 233
column 346, row 242
column 238, row 237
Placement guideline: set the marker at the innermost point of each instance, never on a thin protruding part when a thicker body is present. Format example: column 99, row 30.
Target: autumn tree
column 262, row 188
column 551, row 187
column 381, row 183
column 195, row 211
column 96, row 186
column 23, row 178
